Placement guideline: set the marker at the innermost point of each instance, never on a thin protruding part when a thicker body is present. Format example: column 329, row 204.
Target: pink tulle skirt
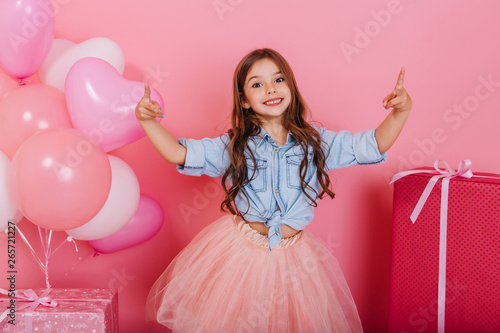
column 226, row 280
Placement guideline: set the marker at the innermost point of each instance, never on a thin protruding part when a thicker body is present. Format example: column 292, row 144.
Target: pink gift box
column 77, row 310
column 472, row 302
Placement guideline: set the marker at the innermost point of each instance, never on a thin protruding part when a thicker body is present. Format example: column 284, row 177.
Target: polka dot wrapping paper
column 78, row 310
column 472, row 302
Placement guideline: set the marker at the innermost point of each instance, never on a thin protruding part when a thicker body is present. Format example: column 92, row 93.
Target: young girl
column 257, row 269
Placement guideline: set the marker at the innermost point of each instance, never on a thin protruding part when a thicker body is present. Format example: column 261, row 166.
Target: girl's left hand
column 398, row 99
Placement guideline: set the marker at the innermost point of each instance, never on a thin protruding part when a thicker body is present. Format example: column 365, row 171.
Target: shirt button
column 276, row 190
column 277, row 234
column 300, row 160
column 277, row 151
column 253, row 164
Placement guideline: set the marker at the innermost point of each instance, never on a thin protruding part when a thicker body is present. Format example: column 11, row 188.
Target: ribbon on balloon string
column 445, row 174
column 30, row 296
column 46, row 250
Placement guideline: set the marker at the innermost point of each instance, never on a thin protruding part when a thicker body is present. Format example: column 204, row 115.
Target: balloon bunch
column 63, row 107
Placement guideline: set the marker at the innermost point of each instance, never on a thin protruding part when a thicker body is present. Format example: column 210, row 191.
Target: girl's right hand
column 147, row 109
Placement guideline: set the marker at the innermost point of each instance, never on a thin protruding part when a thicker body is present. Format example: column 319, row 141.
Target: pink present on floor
column 75, row 310
column 465, row 251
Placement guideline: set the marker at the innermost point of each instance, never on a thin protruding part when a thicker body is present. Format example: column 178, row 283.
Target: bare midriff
column 286, row 231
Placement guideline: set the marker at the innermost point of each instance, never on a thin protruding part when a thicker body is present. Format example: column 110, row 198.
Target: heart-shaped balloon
column 101, row 103
column 146, row 223
column 64, row 53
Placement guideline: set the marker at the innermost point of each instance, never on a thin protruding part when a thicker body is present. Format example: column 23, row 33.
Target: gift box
column 446, row 278
column 64, row 310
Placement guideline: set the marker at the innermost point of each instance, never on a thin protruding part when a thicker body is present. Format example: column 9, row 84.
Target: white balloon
column 64, row 53
column 119, row 208
column 8, row 209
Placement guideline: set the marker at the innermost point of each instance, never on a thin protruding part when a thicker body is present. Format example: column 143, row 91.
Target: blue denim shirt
column 276, row 182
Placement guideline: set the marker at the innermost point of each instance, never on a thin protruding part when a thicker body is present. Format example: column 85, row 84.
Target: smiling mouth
column 275, row 101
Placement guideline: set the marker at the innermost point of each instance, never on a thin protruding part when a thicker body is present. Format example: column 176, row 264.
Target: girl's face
column 266, row 91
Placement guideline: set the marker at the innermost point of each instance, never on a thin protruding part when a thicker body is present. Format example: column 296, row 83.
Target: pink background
column 449, row 49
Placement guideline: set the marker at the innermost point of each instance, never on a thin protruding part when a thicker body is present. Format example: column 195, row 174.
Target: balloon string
column 49, row 243
column 81, row 259
column 57, row 248
column 39, row 262
column 45, row 240
column 41, row 240
column 47, row 257
column 69, row 239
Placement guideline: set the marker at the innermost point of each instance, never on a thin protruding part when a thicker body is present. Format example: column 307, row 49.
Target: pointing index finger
column 147, row 91
column 401, row 79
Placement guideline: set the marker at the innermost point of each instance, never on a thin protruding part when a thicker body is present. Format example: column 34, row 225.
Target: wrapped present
column 445, row 266
column 61, row 310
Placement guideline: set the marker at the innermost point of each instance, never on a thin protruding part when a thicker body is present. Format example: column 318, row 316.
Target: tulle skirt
column 226, row 280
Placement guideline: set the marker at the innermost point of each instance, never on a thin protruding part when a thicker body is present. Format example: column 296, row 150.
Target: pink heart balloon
column 101, row 103
column 146, row 223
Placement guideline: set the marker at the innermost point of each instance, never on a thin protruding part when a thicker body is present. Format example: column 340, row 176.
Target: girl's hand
column 147, row 109
column 398, row 99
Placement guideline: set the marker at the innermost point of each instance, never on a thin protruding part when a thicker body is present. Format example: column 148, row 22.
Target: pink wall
column 450, row 49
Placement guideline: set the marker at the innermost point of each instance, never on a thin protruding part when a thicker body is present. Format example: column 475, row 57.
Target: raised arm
column 400, row 102
column 146, row 113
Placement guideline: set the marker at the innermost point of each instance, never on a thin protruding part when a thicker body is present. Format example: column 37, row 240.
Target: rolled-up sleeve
column 345, row 148
column 204, row 157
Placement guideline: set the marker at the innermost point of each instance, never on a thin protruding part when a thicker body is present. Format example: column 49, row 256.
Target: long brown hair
column 245, row 124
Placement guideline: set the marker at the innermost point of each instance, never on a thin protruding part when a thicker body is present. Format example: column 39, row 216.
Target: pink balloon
column 102, row 103
column 30, row 109
column 7, row 83
column 60, row 178
column 119, row 207
column 146, row 223
column 8, row 209
column 26, row 34
column 64, row 53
